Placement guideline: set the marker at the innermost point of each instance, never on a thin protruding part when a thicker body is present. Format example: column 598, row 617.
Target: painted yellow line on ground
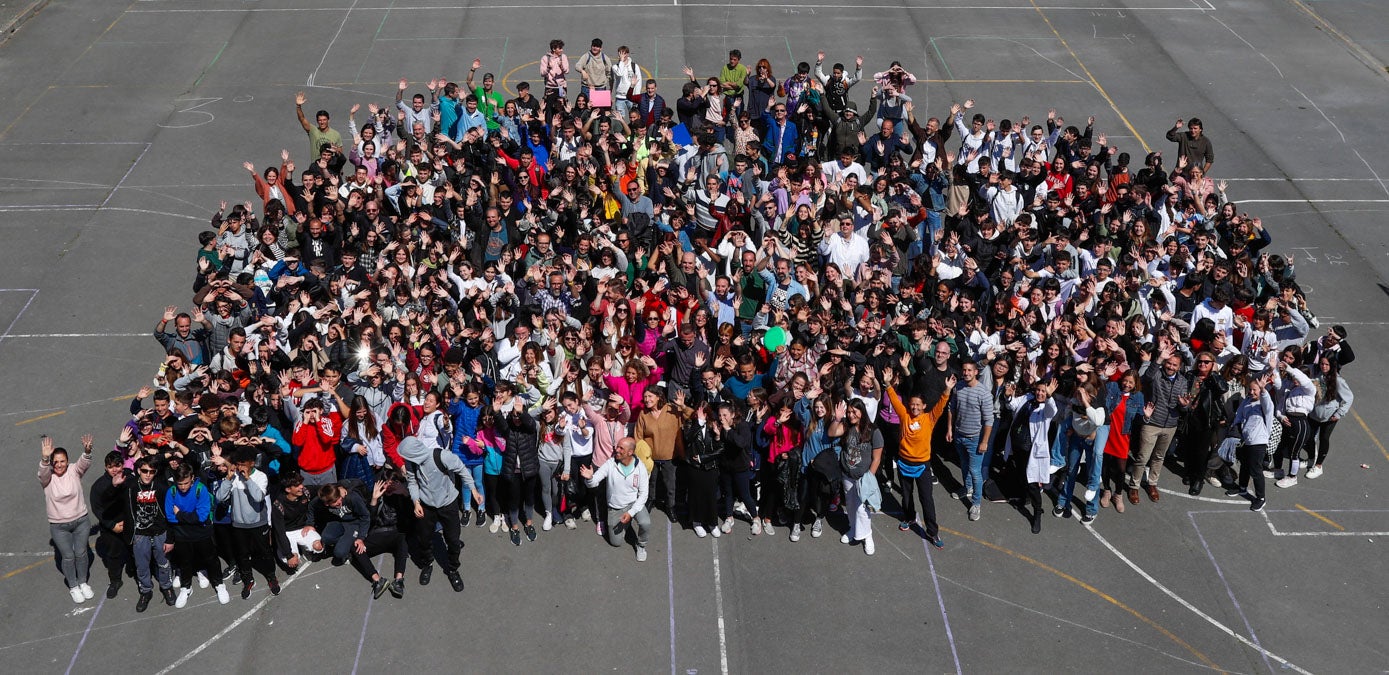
column 1360, row 53
column 1320, row 517
column 41, row 417
column 25, row 568
column 1371, row 434
column 1096, row 83
column 1105, row 596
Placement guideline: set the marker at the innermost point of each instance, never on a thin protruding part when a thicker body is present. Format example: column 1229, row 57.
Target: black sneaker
column 398, row 588
column 467, row 518
column 246, row 589
column 1087, row 518
column 530, row 531
column 378, row 587
column 1233, row 492
column 1058, row 512
column 516, row 537
column 113, row 589
column 169, row 596
column 425, row 573
column 1258, row 504
column 1037, row 524
column 455, row 580
column 274, row 586
column 230, row 573
column 144, row 602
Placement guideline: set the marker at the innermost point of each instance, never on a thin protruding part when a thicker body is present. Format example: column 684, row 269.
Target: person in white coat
column 1033, row 415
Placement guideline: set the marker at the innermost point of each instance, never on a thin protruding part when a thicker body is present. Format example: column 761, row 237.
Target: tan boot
column 1104, row 499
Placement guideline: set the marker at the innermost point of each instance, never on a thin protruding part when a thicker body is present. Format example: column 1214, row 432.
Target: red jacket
column 316, row 445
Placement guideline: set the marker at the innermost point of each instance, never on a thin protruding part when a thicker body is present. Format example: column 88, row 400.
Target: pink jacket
column 62, row 495
column 631, row 392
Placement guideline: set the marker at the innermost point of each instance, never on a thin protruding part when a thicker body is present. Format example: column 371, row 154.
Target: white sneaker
column 868, row 546
column 202, row 580
column 740, row 509
column 756, row 527
column 1278, row 474
column 177, row 581
column 1286, row 482
column 727, row 525
column 700, row 531
column 974, row 512
column 496, row 525
column 1314, row 472
column 1215, row 482
column 767, row 528
column 844, row 538
column 588, row 517
column 87, row 591
column 818, row 528
column 548, row 524
column 641, row 554
column 222, row 595
column 183, row 596
column 716, row 531
column 569, row 523
column 76, row 594
column 795, row 532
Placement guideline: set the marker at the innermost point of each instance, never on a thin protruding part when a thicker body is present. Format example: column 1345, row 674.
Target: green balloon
column 774, row 338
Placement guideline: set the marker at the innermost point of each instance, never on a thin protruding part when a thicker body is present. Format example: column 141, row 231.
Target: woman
column 703, row 446
column 1087, row 416
column 637, row 375
column 659, row 426
column 862, row 451
column 555, row 453
column 1253, row 420
column 783, row 433
column 520, row 468
column 820, row 474
column 1033, row 415
column 1123, row 403
column 188, row 506
column 1205, row 423
column 67, row 511
column 1333, row 402
column 362, row 445
column 737, row 464
column 914, row 457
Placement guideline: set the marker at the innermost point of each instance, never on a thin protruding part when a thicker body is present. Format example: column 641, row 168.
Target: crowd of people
column 759, row 301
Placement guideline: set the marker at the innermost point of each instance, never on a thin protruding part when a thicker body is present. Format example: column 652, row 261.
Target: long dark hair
column 1331, row 388
column 366, row 429
column 865, row 423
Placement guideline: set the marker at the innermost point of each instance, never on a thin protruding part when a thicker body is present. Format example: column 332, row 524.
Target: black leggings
column 520, row 491
column 814, row 498
column 769, row 492
column 1114, row 474
column 922, row 485
column 1251, row 465
column 491, row 493
column 739, row 484
column 1295, row 437
column 1320, row 433
column 702, row 496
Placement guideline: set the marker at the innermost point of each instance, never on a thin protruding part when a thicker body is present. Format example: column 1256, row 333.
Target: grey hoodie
column 428, row 485
column 249, row 508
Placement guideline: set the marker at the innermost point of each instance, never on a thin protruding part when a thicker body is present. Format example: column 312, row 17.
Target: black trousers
column 922, row 485
column 114, row 550
column 383, row 540
column 702, row 490
column 192, row 556
column 1251, row 465
column 451, row 518
column 252, row 546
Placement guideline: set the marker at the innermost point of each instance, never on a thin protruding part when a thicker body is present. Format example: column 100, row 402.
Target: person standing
column 703, row 445
column 188, row 507
column 1032, row 417
column 67, row 511
column 970, row 426
column 1333, row 402
column 1193, row 144
column 109, row 508
column 430, row 477
column 1165, row 391
column 914, row 457
column 1123, row 404
column 246, row 488
column 1253, row 420
column 149, row 529
column 627, row 487
column 861, row 452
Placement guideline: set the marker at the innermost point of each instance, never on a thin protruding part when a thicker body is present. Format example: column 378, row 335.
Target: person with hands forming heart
column 914, row 457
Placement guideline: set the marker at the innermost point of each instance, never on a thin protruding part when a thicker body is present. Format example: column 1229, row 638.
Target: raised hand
column 169, row 313
column 300, row 98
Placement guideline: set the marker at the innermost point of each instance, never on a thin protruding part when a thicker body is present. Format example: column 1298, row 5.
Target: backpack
column 438, row 463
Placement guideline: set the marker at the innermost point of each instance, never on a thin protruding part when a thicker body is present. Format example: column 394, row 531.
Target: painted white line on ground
column 714, row 5
column 1182, row 601
column 718, row 609
column 1213, row 500
column 1374, row 173
column 74, row 335
column 1290, row 180
column 121, row 182
column 1312, row 201
column 95, row 207
column 233, row 625
column 1279, row 533
column 336, row 35
column 33, row 294
column 22, row 554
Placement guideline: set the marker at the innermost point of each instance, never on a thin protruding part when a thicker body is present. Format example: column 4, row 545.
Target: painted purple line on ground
column 940, row 599
column 1228, row 591
column 85, row 633
column 362, row 639
column 670, row 594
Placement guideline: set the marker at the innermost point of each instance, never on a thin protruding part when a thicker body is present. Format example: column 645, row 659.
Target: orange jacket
column 916, row 431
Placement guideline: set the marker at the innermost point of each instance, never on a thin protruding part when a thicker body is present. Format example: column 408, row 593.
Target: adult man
column 430, row 475
column 970, row 425
column 1193, row 144
column 847, row 249
column 191, row 342
column 416, row 112
column 1165, row 391
column 781, row 137
column 650, row 105
column 320, row 133
column 489, row 102
column 627, row 487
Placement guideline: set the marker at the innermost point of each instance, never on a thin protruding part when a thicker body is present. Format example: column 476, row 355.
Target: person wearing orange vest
column 914, row 455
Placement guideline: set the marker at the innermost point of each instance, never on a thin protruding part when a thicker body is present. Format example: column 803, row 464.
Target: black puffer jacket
column 522, row 456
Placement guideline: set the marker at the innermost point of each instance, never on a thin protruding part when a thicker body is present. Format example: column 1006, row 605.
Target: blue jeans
column 972, row 464
column 467, row 500
column 1081, row 451
column 149, row 548
column 341, row 539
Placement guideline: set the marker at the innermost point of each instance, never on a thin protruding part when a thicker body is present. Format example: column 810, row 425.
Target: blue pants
column 340, row 539
column 481, row 489
column 1081, row 451
column 149, row 548
column 972, row 465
